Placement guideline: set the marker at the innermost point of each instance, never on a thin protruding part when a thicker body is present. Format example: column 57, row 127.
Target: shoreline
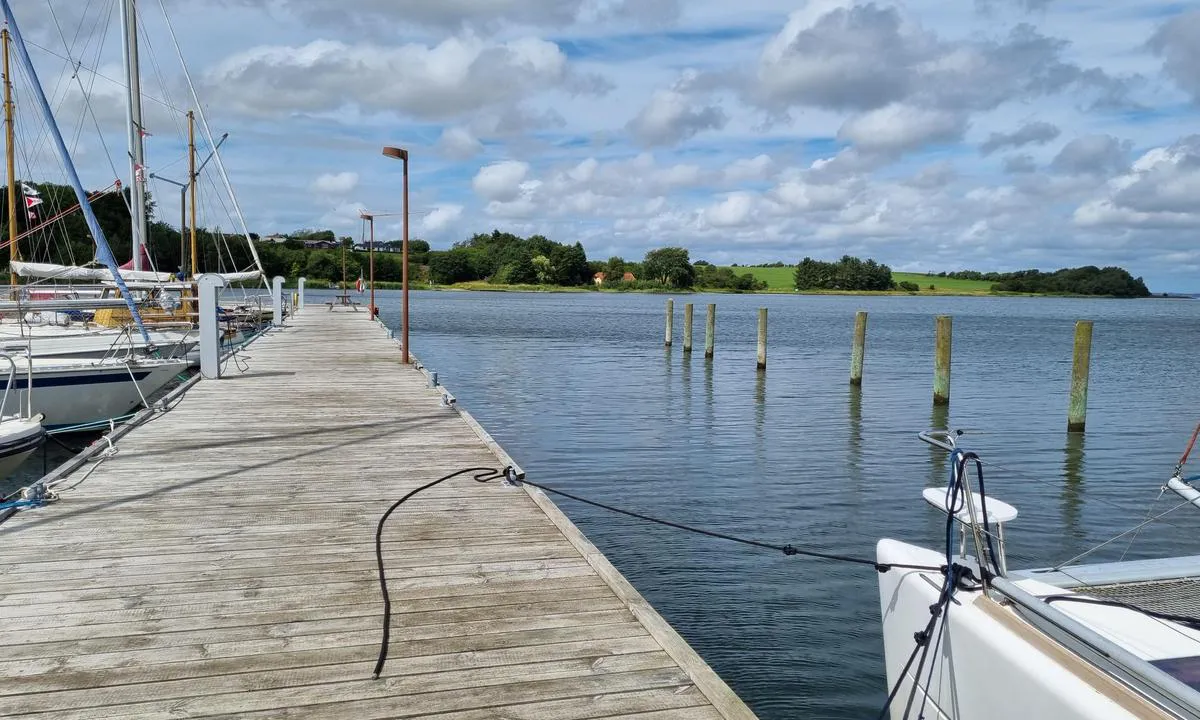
column 488, row 287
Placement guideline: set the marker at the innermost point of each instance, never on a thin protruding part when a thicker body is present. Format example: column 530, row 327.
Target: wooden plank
column 221, row 563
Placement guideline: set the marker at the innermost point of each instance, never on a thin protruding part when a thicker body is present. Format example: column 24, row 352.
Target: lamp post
column 183, row 190
column 402, row 154
column 371, row 254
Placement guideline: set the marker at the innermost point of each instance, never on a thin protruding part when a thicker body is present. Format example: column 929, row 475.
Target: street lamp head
column 395, row 152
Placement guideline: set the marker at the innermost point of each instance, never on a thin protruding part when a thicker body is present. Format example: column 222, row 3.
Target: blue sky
column 995, row 134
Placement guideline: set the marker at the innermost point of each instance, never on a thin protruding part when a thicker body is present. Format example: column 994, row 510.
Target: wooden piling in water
column 857, row 351
column 941, row 360
column 1077, row 411
column 670, row 322
column 687, row 327
column 710, row 331
column 762, row 338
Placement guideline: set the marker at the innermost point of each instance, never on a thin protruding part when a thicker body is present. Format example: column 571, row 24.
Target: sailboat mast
column 133, row 117
column 10, row 158
column 192, row 188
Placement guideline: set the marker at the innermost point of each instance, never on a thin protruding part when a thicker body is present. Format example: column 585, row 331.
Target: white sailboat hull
column 19, row 437
column 990, row 664
column 94, row 343
column 86, row 392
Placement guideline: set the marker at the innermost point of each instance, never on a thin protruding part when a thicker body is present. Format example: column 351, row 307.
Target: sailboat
column 169, row 324
column 77, row 391
column 22, row 433
column 965, row 637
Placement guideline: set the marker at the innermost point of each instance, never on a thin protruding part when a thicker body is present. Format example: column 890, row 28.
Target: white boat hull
column 19, row 437
column 76, row 394
column 94, row 343
column 989, row 664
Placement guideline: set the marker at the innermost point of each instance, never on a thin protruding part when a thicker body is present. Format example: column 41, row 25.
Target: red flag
column 32, row 215
column 32, row 202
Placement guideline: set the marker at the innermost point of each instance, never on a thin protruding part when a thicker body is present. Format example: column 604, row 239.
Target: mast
column 10, row 158
column 343, row 266
column 102, row 248
column 133, row 118
column 192, row 188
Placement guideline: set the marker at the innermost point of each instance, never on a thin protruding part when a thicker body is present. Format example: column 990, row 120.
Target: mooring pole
column 277, row 300
column 670, row 322
column 941, row 360
column 762, row 338
column 210, row 327
column 1080, row 368
column 687, row 328
column 710, row 331
column 300, row 285
column 859, row 349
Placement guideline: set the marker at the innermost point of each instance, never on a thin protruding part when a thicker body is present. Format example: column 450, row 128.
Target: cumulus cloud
column 1032, row 133
column 1178, row 43
column 671, row 117
column 501, row 182
column 441, row 217
column 898, row 127
column 458, row 143
column 1019, row 164
column 457, row 76
column 838, row 55
column 759, row 167
column 449, row 14
column 733, row 211
column 1159, row 191
column 335, row 183
column 1093, row 155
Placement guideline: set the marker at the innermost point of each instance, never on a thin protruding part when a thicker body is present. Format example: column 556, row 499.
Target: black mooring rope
column 484, row 474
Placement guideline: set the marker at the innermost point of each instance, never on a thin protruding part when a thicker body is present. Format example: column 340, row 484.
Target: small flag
column 32, row 202
column 144, row 133
column 139, row 173
column 358, row 285
column 25, row 189
column 32, row 215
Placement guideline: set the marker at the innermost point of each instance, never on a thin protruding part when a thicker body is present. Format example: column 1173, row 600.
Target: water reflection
column 939, row 459
column 760, row 415
column 1072, row 489
column 854, row 438
column 686, row 376
column 708, row 394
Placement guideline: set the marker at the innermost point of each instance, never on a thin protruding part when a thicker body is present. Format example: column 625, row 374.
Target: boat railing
column 12, row 376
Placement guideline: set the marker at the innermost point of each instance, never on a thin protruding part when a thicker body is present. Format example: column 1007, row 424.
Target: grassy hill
column 781, row 278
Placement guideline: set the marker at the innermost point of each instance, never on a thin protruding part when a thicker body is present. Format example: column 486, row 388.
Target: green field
column 780, row 278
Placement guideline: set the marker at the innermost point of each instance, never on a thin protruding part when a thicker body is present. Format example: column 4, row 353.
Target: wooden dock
column 221, row 564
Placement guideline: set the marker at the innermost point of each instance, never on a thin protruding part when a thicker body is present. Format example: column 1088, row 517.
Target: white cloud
column 759, row 167
column 1178, row 43
column 733, row 211
column 458, row 143
column 335, row 183
column 458, row 76
column 671, row 117
column 1092, row 155
column 1159, row 191
column 502, row 181
column 897, row 127
column 441, row 218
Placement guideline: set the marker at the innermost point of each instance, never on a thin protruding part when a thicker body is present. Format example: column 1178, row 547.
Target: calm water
column 579, row 389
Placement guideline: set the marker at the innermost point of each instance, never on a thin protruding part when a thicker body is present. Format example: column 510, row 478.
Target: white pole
column 277, row 299
column 210, row 329
column 133, row 121
column 300, row 306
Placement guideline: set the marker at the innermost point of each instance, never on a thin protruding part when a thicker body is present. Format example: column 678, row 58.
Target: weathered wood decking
column 221, row 564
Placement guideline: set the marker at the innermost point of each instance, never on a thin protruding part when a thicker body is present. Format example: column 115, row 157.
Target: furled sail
column 53, row 271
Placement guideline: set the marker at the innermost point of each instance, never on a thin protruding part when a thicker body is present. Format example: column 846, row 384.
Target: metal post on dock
column 710, row 331
column 687, row 327
column 277, row 300
column 300, row 283
column 762, row 338
column 670, row 322
column 210, row 326
column 859, row 348
column 941, row 360
column 1077, row 412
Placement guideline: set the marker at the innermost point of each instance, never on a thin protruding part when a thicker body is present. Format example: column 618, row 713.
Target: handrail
column 12, row 374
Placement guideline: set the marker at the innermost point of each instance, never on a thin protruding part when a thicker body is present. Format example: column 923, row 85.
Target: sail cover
column 52, row 271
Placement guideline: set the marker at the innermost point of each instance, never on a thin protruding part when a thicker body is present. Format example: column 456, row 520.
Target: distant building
column 320, row 244
column 599, row 277
column 275, row 239
column 628, row 277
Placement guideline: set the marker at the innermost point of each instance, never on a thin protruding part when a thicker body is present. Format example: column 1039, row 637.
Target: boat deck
column 221, row 564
